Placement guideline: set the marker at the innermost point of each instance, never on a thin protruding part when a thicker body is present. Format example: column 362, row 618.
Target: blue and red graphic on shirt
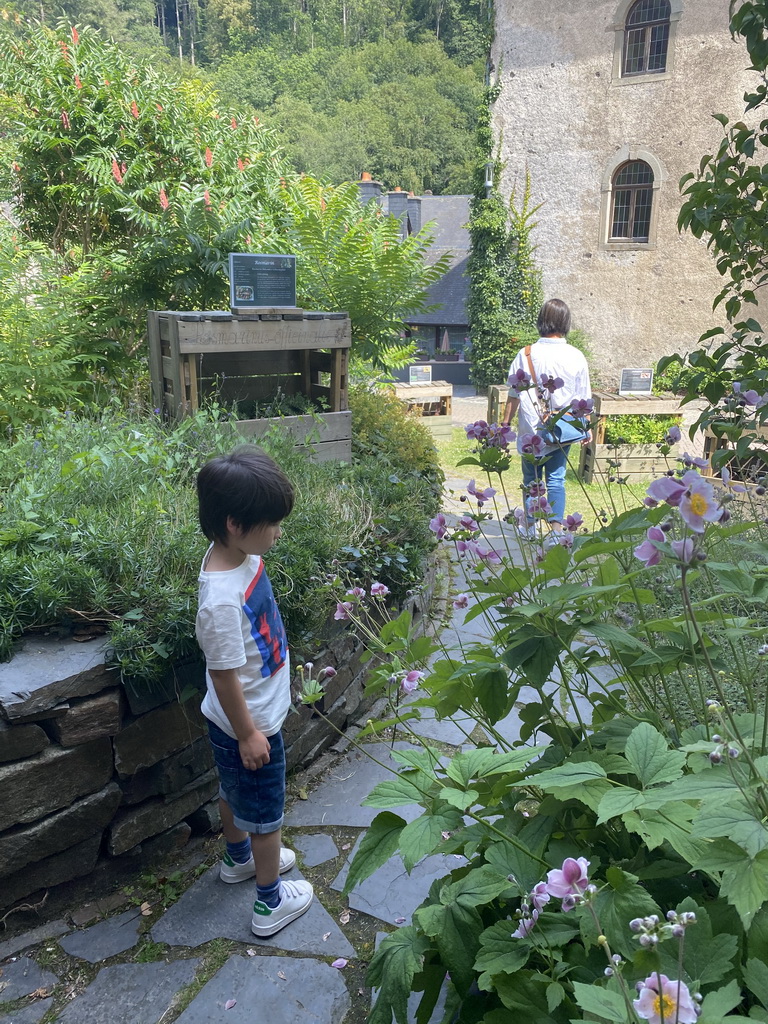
column 267, row 627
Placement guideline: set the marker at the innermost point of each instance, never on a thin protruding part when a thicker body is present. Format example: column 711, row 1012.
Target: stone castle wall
column 94, row 773
column 567, row 116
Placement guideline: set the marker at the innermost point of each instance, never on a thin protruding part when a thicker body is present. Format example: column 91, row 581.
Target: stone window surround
column 618, row 27
column 620, row 157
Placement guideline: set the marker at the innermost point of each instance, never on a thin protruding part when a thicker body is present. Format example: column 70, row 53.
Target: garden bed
column 630, row 462
column 327, row 434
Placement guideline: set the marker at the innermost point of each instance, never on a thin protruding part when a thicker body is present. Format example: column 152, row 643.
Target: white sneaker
column 231, row 871
column 552, row 539
column 295, row 900
column 528, row 532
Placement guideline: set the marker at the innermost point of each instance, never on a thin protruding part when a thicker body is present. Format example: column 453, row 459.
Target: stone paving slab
column 211, row 909
column 21, row 978
column 315, row 849
column 338, row 799
column 105, row 939
column 281, row 990
column 30, row 1014
column 130, row 993
column 390, row 894
column 51, row 930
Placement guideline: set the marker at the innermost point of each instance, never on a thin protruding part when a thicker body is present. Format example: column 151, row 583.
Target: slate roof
column 450, row 227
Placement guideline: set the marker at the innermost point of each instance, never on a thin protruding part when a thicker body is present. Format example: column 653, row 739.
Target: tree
column 726, row 202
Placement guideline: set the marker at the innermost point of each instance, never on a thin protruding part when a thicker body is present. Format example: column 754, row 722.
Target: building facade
column 608, row 103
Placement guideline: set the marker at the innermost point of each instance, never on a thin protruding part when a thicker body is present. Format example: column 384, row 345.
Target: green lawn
column 580, row 497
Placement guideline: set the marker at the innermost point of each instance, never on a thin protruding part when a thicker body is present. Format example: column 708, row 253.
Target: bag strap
column 543, row 416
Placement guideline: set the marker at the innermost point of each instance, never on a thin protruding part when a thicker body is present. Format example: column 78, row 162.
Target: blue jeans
column 256, row 798
column 552, row 469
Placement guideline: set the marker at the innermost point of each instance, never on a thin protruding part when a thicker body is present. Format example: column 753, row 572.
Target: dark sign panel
column 267, row 279
column 636, row 381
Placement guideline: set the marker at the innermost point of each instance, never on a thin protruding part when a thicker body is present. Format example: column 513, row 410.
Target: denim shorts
column 256, row 798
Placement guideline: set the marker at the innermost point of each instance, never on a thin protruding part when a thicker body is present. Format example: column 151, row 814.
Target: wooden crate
column 328, row 434
column 249, row 359
column 431, row 402
column 636, row 462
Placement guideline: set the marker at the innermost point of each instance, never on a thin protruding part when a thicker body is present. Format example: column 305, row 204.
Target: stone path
column 203, row 963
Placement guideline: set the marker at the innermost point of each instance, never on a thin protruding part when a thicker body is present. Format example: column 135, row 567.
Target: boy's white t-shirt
column 239, row 627
column 556, row 358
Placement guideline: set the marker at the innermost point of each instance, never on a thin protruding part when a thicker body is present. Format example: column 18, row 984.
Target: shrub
column 98, row 529
column 638, row 429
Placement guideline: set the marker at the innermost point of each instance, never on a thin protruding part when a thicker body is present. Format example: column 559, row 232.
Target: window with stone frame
column 646, row 38
column 631, row 202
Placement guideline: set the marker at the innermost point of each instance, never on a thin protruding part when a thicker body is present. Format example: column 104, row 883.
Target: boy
column 243, row 498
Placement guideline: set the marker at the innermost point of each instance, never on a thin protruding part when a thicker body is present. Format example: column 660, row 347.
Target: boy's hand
column 254, row 751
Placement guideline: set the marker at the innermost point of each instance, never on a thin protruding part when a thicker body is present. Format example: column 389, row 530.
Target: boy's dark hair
column 554, row 318
column 246, row 485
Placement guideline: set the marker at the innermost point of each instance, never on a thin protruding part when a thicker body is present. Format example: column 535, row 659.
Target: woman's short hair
column 245, row 485
column 554, row 318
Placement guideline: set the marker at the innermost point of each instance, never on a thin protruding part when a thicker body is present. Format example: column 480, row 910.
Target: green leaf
column 617, row 904
column 585, row 781
column 744, row 879
column 460, row 798
column 423, row 836
column 378, row 844
column 478, row 887
column 392, row 969
column 484, row 761
column 499, row 953
column 756, row 979
column 735, row 820
column 650, row 757
column 456, row 930
column 490, row 685
column 602, row 1002
column 394, row 792
column 717, row 1004
column 617, row 802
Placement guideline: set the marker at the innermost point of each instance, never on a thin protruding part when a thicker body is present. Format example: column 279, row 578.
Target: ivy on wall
column 505, row 284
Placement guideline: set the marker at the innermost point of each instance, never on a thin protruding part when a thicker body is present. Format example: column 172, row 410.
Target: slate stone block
column 130, row 993
column 315, row 849
column 75, row 862
column 132, row 826
column 106, row 938
column 20, row 741
column 211, row 909
column 338, row 799
column 54, row 778
column 30, row 1014
column 205, row 819
column 156, row 735
column 308, row 991
column 89, row 719
column 82, row 819
column 49, row 930
column 159, row 847
column 47, row 671
column 23, row 977
column 391, row 893
column 171, row 775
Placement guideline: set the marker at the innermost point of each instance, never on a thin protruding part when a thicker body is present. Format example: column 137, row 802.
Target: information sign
column 636, row 381
column 419, row 374
column 261, row 279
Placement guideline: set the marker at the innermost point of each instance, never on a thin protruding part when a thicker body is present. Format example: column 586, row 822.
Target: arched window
column 631, row 202
column 646, row 38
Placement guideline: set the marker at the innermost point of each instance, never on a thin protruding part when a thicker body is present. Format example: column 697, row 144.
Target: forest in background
column 391, row 87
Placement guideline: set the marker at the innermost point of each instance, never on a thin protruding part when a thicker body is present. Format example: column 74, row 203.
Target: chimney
column 397, row 206
column 369, row 189
column 414, row 213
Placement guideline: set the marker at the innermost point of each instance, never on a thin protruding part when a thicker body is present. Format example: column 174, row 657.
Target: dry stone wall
column 97, row 773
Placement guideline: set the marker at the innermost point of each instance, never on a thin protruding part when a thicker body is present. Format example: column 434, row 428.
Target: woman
column 544, row 378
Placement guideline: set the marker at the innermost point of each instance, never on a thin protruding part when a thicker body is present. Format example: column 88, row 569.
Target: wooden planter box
column 248, row 360
column 636, row 462
column 431, row 402
column 327, row 434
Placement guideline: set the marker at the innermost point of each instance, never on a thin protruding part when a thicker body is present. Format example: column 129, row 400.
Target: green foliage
column 403, row 111
column 505, row 285
column 723, row 203
column 98, row 527
column 638, row 429
column 664, row 802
